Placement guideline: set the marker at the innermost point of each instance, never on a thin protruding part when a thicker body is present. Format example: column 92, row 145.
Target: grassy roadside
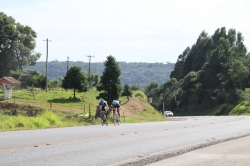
column 59, row 109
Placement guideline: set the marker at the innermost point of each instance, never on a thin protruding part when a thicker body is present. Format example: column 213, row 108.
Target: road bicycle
column 104, row 118
column 116, row 118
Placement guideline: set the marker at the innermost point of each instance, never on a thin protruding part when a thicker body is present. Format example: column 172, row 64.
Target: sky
column 130, row 30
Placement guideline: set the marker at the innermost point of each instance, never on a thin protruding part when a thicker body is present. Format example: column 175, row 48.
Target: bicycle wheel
column 116, row 120
column 106, row 121
column 103, row 120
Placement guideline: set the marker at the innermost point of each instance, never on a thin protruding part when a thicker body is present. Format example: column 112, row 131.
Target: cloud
column 135, row 28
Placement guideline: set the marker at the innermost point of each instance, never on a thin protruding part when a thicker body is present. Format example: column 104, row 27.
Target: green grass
column 242, row 108
column 48, row 119
column 140, row 94
column 65, row 110
column 59, row 96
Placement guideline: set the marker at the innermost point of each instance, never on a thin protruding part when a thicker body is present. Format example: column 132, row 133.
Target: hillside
column 20, row 111
column 210, row 77
column 131, row 73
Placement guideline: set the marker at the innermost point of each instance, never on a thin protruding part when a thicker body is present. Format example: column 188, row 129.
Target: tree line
column 109, row 86
column 17, row 54
column 133, row 73
column 213, row 72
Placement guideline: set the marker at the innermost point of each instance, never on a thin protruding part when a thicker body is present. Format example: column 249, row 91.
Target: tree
column 153, row 85
column 110, row 85
column 135, row 87
column 55, row 83
column 24, row 45
column 238, row 72
column 93, row 80
column 7, row 36
column 17, row 44
column 75, row 79
column 37, row 80
column 127, row 91
column 214, row 71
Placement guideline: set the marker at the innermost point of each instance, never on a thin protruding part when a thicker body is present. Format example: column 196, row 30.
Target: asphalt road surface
column 230, row 153
column 127, row 144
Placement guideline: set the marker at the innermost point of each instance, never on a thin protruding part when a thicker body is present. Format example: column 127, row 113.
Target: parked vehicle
column 168, row 114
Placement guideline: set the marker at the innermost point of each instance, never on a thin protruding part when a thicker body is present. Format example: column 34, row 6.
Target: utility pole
column 67, row 63
column 46, row 88
column 89, row 56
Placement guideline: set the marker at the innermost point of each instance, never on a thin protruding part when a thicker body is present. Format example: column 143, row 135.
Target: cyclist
column 116, row 105
column 104, row 105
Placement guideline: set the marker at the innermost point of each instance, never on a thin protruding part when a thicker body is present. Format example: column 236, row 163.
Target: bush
column 48, row 119
column 140, row 94
column 52, row 118
column 40, row 122
column 240, row 109
column 223, row 109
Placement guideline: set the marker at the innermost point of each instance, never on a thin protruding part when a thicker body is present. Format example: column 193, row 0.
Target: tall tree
column 110, row 84
column 178, row 72
column 23, row 47
column 153, row 85
column 17, row 44
column 75, row 79
column 7, row 36
column 212, row 72
column 93, row 80
column 37, row 80
column 127, row 91
column 238, row 72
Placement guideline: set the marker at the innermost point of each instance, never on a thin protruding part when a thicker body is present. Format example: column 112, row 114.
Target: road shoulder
column 230, row 153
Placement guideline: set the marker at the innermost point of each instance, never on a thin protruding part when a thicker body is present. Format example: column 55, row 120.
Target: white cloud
column 141, row 30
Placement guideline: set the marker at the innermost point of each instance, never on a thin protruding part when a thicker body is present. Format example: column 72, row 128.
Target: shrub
column 240, row 109
column 140, row 94
column 52, row 118
column 223, row 109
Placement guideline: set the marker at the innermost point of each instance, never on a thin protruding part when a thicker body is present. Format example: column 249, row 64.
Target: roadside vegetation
column 210, row 78
column 34, row 109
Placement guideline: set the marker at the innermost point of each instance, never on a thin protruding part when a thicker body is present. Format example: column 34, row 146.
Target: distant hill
column 139, row 73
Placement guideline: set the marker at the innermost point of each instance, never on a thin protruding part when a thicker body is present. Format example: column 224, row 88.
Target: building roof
column 9, row 80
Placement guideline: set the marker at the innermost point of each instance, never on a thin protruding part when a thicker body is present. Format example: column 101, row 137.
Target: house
column 11, row 82
column 24, row 76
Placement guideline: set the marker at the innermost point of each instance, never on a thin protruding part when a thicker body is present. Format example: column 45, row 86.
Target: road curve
column 229, row 153
column 127, row 144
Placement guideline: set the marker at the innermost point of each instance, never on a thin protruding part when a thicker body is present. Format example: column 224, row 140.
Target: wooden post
column 2, row 120
column 123, row 116
column 89, row 112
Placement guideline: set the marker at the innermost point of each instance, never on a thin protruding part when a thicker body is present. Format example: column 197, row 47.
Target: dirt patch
column 54, row 107
column 133, row 106
column 17, row 109
column 130, row 108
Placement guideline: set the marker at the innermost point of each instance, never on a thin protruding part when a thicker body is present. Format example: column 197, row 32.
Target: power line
column 47, row 41
column 67, row 63
column 89, row 56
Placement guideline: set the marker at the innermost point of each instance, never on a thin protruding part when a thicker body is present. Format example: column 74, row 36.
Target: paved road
column 127, row 144
column 230, row 153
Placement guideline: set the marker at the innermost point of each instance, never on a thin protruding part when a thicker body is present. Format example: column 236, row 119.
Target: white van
column 168, row 114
